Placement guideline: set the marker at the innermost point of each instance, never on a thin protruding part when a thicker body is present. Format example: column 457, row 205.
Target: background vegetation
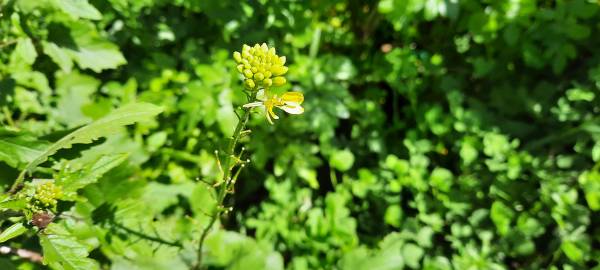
column 437, row 134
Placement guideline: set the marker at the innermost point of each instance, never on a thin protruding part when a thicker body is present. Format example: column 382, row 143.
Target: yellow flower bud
column 261, row 66
column 250, row 83
column 279, row 70
column 279, row 81
column 237, row 56
column 259, row 76
column 267, row 82
column 245, row 54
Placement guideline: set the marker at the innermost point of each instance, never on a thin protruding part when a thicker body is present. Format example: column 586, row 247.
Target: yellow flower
column 261, row 66
column 289, row 102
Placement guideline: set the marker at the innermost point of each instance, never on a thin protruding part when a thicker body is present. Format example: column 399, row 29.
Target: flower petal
column 292, row 108
column 253, row 104
column 270, row 111
column 296, row 97
column 268, row 116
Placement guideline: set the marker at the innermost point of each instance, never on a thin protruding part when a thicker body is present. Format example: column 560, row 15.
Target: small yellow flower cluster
column 47, row 193
column 261, row 66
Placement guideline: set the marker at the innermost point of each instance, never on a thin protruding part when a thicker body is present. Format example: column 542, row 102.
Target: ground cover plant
column 270, row 134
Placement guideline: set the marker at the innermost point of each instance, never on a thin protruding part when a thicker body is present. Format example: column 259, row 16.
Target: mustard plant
column 261, row 69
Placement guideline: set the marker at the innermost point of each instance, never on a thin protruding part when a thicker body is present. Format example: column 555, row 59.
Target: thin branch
column 225, row 182
column 7, row 43
column 147, row 237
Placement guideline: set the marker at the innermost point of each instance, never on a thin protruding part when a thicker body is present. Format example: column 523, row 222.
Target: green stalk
column 225, row 182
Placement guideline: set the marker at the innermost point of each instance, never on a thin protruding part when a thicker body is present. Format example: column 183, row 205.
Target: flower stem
column 225, row 183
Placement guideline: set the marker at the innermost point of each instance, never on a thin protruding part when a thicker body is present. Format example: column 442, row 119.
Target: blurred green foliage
column 438, row 134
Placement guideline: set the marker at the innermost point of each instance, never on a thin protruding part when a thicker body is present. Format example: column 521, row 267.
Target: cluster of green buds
column 261, row 67
column 46, row 194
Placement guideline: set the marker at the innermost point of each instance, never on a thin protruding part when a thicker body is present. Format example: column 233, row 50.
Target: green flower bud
column 268, row 74
column 279, row 81
column 240, row 68
column 47, row 194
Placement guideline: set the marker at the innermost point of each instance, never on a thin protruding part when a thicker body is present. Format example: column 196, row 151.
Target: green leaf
column 412, row 255
column 91, row 173
column 441, row 179
column 126, row 115
column 79, row 9
column 468, row 150
column 496, row 145
column 596, row 152
column 74, row 91
column 393, row 215
column 63, row 252
column 590, row 182
column 12, row 232
column 16, row 205
column 342, row 160
column 501, row 216
column 237, row 251
column 92, row 50
column 572, row 251
column 59, row 55
column 16, row 149
column 387, row 257
column 202, row 201
column 25, row 51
